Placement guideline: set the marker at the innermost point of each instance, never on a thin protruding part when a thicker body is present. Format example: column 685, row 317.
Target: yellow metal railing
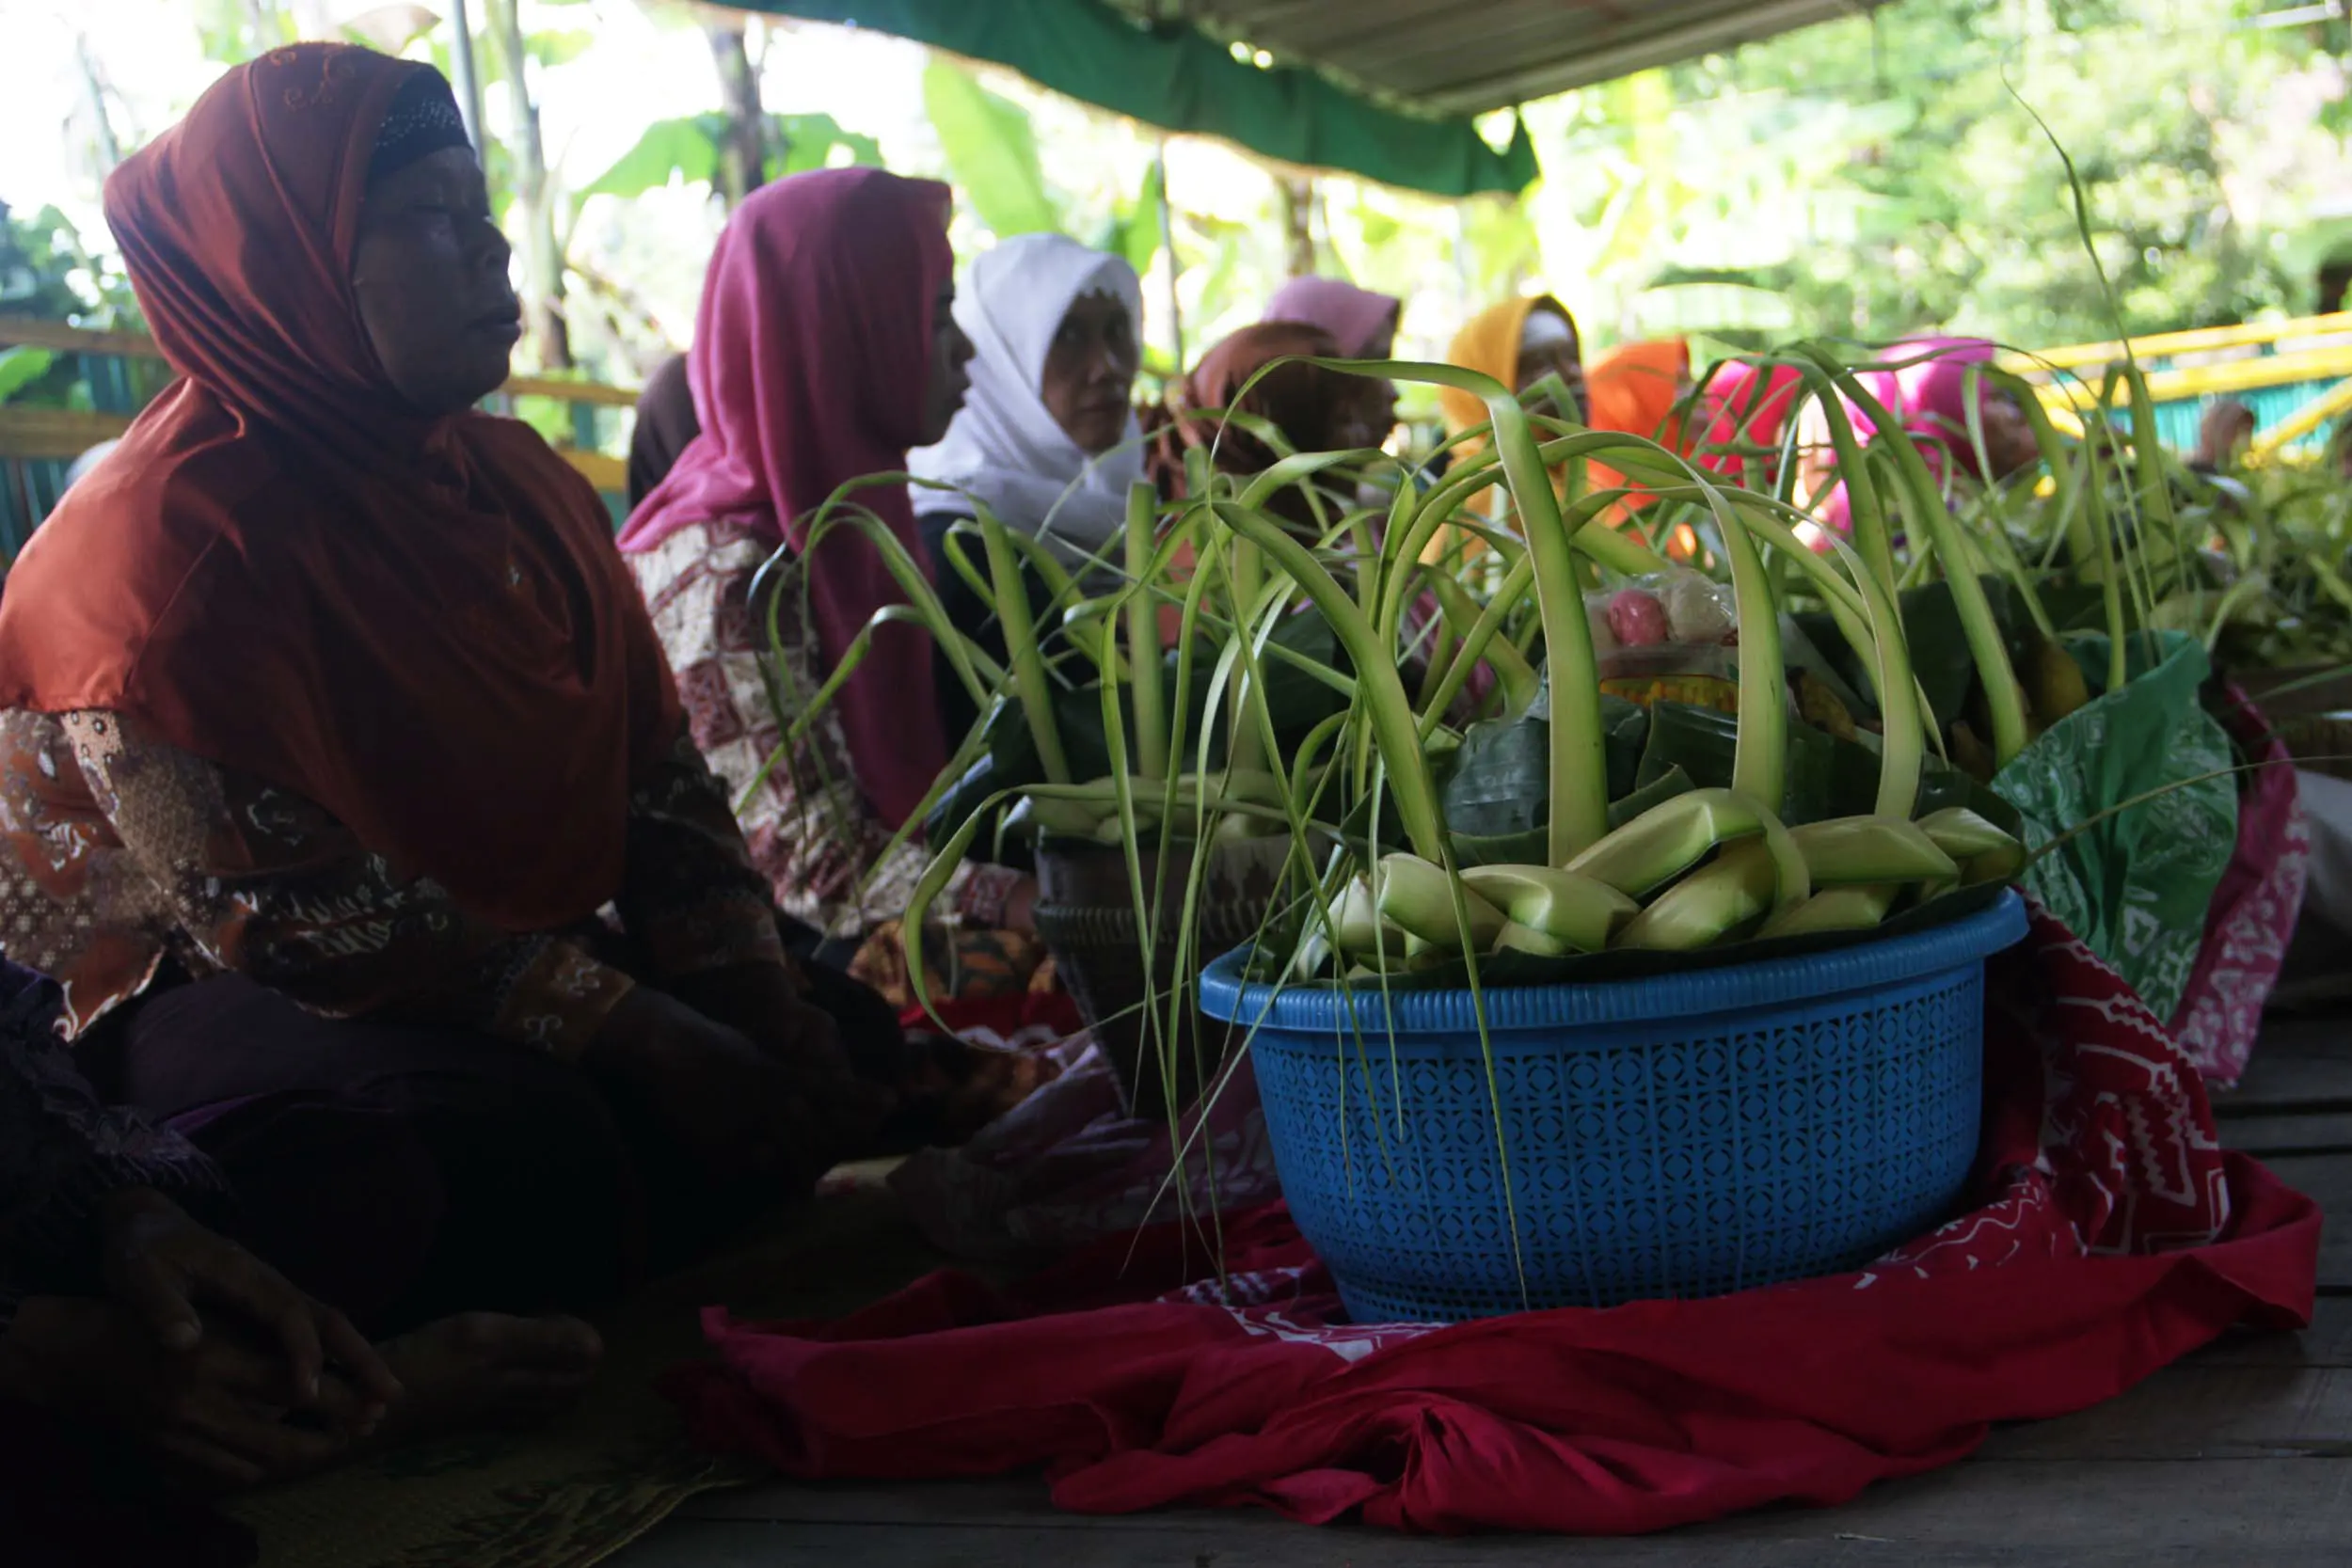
column 2068, row 379
column 2172, row 345
column 2294, row 393
column 61, row 435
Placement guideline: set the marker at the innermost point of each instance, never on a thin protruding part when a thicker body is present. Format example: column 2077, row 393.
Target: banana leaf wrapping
column 2136, row 885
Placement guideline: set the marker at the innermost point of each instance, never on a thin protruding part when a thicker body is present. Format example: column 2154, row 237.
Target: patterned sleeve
column 690, row 894
column 813, row 839
column 61, row 1151
column 264, row 882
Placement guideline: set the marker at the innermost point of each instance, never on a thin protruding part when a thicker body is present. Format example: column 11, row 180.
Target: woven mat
column 572, row 1494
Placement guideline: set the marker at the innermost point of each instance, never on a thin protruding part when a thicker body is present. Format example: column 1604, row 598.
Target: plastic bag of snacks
column 1667, row 637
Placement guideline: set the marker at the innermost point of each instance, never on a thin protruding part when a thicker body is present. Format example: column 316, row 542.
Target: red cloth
column 811, row 354
column 417, row 623
column 2113, row 1235
column 2251, row 919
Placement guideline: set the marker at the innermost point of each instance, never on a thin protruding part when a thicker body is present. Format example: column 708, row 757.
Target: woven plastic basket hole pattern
column 1680, row 1157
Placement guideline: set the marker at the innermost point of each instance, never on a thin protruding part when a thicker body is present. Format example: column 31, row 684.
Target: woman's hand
column 730, row 1102
column 172, row 1275
column 765, row 1003
column 201, row 1351
column 214, row 1409
column 217, row 1407
column 1021, row 906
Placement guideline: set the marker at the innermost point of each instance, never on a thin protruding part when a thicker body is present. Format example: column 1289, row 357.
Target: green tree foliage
column 688, row 150
column 1880, row 175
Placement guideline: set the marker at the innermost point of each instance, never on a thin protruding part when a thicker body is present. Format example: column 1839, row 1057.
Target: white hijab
column 1006, row 448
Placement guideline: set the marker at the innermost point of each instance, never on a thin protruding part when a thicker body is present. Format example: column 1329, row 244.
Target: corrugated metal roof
column 1466, row 57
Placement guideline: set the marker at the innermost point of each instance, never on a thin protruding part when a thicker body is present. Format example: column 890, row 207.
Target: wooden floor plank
column 2326, row 1344
column 2241, row 1455
column 698, row 1543
column 2226, row 1513
column 2300, row 1063
column 2200, row 1412
column 2274, row 1135
column 2326, row 1179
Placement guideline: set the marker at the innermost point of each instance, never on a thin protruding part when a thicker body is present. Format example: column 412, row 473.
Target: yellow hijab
column 1489, row 344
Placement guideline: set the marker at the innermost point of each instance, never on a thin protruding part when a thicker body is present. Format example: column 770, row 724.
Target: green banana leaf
column 2134, row 886
column 1940, row 656
column 1498, row 782
column 1827, row 777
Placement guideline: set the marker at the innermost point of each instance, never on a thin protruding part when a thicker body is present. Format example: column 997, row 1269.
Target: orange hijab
column 420, row 623
column 1634, row 388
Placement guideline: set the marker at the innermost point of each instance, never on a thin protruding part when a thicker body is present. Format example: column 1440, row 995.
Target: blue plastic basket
column 1680, row 1136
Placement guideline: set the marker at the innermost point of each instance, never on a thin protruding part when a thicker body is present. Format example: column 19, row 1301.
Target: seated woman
column 1520, row 343
column 1046, row 438
column 1928, row 393
column 332, row 721
column 665, row 423
column 1746, row 409
column 1315, row 409
column 1362, row 322
column 825, row 351
column 126, row 1317
column 1637, row 389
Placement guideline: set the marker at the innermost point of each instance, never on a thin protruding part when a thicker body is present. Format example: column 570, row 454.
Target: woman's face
column 1091, row 372
column 1364, row 414
column 2009, row 439
column 1564, row 356
column 950, row 352
column 1381, row 417
column 429, row 272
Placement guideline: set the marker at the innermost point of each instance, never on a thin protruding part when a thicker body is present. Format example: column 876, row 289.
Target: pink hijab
column 1355, row 317
column 1932, row 397
column 1746, row 406
column 811, row 352
column 1929, row 399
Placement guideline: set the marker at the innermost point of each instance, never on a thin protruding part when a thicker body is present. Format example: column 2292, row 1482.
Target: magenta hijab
column 1933, row 395
column 1355, row 317
column 1927, row 392
column 1746, row 404
column 811, row 357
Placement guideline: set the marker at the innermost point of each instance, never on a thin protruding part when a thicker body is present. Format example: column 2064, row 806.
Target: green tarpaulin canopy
column 1172, row 75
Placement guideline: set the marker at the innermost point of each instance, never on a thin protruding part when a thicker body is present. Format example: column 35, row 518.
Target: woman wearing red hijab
column 329, row 722
column 1315, row 409
column 825, row 351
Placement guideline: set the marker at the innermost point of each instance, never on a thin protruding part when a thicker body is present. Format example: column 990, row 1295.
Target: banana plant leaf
column 2133, row 885
column 1498, row 782
column 1827, row 777
column 1940, row 656
column 1295, row 699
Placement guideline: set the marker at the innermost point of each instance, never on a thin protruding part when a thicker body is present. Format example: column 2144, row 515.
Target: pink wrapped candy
column 1637, row 618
